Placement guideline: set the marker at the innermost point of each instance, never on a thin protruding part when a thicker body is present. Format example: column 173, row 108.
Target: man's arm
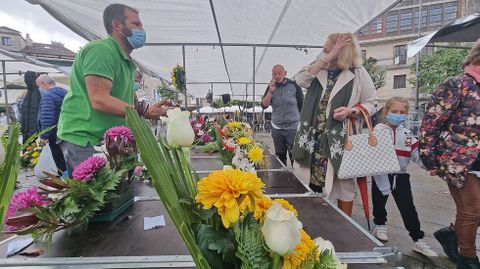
column 299, row 95
column 267, row 97
column 99, row 89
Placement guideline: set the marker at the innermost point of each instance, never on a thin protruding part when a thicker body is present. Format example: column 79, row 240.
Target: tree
column 435, row 68
column 376, row 72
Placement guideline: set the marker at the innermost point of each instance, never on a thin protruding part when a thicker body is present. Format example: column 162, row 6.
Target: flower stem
column 276, row 261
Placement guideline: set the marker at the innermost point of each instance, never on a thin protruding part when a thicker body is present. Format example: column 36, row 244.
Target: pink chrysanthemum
column 138, row 170
column 26, row 199
column 206, row 138
column 85, row 170
column 122, row 131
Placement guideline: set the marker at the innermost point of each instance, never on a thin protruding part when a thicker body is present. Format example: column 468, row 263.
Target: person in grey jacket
column 286, row 99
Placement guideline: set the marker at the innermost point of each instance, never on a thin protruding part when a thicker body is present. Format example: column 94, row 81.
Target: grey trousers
column 75, row 154
column 283, row 141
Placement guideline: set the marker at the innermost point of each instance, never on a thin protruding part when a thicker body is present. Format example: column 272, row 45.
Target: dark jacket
column 286, row 102
column 50, row 108
column 31, row 105
column 450, row 131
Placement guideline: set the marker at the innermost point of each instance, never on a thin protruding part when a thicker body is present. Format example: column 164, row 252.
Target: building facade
column 386, row 38
column 55, row 53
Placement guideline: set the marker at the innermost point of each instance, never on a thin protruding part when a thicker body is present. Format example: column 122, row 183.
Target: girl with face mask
column 406, row 147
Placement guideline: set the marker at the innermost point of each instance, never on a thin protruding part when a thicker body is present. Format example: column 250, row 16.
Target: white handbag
column 368, row 154
column 45, row 163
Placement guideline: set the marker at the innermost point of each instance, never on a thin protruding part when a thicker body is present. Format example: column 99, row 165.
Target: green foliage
column 327, row 261
column 167, row 94
column 376, row 72
column 9, row 170
column 170, row 182
column 217, row 246
column 212, row 147
column 437, row 67
column 250, row 247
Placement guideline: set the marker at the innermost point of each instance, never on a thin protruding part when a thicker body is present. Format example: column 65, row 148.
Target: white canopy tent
column 13, row 67
column 207, row 110
column 225, row 46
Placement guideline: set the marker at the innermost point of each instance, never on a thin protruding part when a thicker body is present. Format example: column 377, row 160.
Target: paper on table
column 153, row 222
column 18, row 244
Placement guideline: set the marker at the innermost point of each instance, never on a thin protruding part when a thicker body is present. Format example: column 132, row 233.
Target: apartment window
column 392, row 23
column 364, row 31
column 400, row 55
column 399, row 81
column 364, row 55
column 450, row 12
column 426, row 51
column 6, row 41
column 406, row 20
column 435, row 15
column 424, row 18
column 376, row 26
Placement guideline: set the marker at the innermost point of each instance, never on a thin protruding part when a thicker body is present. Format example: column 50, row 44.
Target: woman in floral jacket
column 450, row 148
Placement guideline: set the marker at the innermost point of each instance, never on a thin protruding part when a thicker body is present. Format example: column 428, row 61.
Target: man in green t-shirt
column 102, row 86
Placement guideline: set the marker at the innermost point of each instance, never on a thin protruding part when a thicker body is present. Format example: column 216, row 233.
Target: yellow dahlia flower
column 225, row 189
column 287, row 206
column 256, row 154
column 263, row 204
column 244, row 141
column 300, row 253
column 234, row 124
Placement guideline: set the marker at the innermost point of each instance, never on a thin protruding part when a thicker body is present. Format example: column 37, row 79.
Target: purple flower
column 138, row 170
column 85, row 170
column 206, row 138
column 120, row 131
column 26, row 199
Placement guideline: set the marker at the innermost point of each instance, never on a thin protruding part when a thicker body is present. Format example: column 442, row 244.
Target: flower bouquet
column 225, row 219
column 65, row 203
column 203, row 129
column 29, row 158
column 239, row 148
column 178, row 77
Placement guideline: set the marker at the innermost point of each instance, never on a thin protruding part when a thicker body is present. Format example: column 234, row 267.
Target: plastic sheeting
column 245, row 22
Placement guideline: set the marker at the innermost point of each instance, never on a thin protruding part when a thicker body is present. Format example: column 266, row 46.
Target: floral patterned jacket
column 450, row 131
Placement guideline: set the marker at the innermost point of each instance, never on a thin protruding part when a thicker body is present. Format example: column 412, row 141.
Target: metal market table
column 124, row 244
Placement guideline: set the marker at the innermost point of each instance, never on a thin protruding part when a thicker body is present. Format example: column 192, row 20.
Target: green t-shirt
column 79, row 124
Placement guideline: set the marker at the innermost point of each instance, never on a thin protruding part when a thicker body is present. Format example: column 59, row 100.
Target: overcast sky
column 42, row 27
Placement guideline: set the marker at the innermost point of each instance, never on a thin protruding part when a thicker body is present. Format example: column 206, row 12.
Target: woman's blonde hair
column 473, row 57
column 395, row 99
column 350, row 55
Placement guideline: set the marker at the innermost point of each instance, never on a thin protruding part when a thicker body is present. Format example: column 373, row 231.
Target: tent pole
column 417, row 64
column 185, row 76
column 5, row 88
column 253, row 96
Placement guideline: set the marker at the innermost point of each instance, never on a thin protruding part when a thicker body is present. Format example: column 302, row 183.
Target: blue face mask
column 396, row 119
column 137, row 39
column 136, row 86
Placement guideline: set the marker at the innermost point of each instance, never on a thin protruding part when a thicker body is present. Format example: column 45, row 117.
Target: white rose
column 3, row 129
column 179, row 130
column 281, row 230
column 323, row 245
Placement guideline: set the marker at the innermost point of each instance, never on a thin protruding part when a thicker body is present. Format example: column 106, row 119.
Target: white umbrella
column 258, row 109
column 268, row 110
column 207, row 110
column 233, row 108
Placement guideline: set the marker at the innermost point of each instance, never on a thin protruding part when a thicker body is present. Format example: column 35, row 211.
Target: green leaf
column 250, row 247
column 9, row 171
column 70, row 207
column 327, row 261
column 218, row 247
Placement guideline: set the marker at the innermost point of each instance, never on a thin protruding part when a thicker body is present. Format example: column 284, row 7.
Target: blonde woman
column 336, row 82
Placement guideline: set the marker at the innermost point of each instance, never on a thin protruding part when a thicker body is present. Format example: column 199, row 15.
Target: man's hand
column 271, row 86
column 341, row 113
column 342, row 42
column 159, row 109
column 433, row 173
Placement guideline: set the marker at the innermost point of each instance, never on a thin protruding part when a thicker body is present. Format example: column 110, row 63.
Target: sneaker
column 423, row 248
column 381, row 233
column 447, row 238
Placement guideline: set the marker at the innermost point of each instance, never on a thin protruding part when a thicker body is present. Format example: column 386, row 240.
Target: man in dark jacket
column 30, row 107
column 286, row 99
column 50, row 107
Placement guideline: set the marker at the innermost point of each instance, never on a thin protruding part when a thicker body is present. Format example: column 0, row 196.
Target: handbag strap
column 372, row 140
